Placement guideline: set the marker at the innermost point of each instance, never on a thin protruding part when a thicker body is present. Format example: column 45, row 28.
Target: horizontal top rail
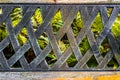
column 60, row 4
column 59, row 1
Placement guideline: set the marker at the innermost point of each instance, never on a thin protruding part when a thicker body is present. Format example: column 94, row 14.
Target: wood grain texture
column 39, row 63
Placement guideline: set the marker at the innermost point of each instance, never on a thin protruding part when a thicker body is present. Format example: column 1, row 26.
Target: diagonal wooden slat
column 24, row 63
column 109, row 55
column 15, row 42
column 17, row 29
column 107, row 58
column 79, row 38
column 90, row 36
column 74, row 45
column 98, row 39
column 54, row 45
column 58, row 36
column 34, row 43
column 111, row 39
column 26, row 46
column 5, row 12
column 88, row 14
column 108, row 26
column 3, row 62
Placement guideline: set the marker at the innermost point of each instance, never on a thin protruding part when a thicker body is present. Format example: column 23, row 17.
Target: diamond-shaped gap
column 77, row 24
column 57, row 21
column 63, row 43
column 116, row 27
column 51, row 58
column 36, row 19
column 30, row 55
column 22, row 36
column 8, row 51
column 109, row 10
column 92, row 62
column 16, row 16
column 84, row 45
column 104, row 47
column 113, row 63
column 72, row 61
column 3, row 31
column 43, row 40
column 97, row 25
column 17, row 65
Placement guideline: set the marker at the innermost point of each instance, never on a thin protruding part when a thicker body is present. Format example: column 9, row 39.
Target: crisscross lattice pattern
column 88, row 14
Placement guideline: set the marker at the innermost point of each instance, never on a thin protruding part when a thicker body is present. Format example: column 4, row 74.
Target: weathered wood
column 88, row 14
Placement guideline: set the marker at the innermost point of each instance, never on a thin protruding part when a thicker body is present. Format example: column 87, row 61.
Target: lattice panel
column 30, row 56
